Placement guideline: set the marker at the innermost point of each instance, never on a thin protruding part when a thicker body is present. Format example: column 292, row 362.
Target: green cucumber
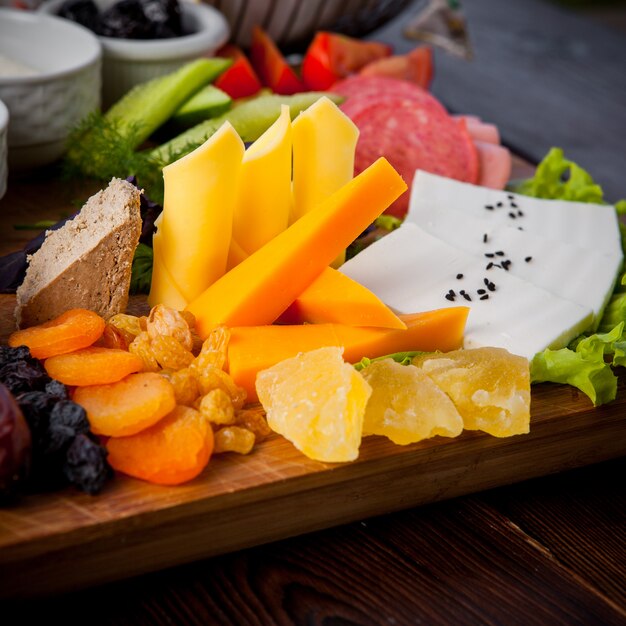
column 208, row 102
column 250, row 119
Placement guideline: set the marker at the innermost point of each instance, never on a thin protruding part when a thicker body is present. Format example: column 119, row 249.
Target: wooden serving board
column 65, row 540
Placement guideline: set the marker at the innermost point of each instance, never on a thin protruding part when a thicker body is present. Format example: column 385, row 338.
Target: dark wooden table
column 548, row 551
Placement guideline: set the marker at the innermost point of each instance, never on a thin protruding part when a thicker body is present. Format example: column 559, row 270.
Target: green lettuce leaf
column 404, row 358
column 593, row 377
column 558, row 178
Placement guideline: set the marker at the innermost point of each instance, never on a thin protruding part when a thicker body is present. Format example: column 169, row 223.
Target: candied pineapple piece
column 406, row 405
column 317, row 402
column 490, row 387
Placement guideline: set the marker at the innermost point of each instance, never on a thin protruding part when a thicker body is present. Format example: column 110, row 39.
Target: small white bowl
column 65, row 87
column 127, row 62
column 4, row 124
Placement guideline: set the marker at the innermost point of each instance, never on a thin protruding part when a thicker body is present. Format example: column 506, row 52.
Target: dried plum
column 86, row 466
column 56, row 389
column 21, row 376
column 67, row 421
column 83, row 12
column 15, row 444
column 11, row 355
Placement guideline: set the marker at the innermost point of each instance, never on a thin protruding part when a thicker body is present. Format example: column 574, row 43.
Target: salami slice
column 413, row 135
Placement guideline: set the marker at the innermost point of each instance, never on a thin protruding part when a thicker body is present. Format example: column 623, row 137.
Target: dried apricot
column 70, row 331
column 127, row 406
column 92, row 366
column 176, row 449
column 234, row 439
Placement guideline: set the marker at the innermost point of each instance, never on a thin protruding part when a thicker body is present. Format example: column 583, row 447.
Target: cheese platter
column 64, row 539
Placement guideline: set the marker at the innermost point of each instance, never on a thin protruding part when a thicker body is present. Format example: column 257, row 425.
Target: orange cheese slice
column 262, row 286
column 252, row 349
column 336, row 298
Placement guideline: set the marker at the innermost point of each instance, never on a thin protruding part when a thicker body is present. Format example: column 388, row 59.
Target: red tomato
column 239, row 80
column 271, row 66
column 416, row 67
column 331, row 57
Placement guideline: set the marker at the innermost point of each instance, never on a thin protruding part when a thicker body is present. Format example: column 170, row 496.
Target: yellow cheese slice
column 324, row 141
column 264, row 201
column 163, row 289
column 196, row 225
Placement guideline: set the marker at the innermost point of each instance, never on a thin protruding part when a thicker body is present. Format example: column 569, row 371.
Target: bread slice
column 86, row 263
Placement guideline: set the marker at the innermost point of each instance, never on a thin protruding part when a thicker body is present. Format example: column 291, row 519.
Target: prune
column 21, row 376
column 56, row 389
column 67, row 420
column 86, row 466
column 125, row 20
column 83, row 12
column 36, row 407
column 11, row 355
column 15, row 444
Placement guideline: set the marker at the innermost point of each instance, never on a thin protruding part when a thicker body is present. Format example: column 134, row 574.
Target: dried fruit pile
column 157, row 396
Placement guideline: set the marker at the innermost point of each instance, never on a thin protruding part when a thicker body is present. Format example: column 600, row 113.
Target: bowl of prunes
column 143, row 39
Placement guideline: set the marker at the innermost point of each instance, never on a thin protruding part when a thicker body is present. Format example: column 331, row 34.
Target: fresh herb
column 41, row 225
column 141, row 275
column 387, row 222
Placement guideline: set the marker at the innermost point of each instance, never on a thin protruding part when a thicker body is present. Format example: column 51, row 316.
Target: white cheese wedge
column 410, row 270
column 581, row 275
column 592, row 226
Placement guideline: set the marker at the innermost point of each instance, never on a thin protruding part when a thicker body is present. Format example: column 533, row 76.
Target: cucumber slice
column 250, row 119
column 208, row 102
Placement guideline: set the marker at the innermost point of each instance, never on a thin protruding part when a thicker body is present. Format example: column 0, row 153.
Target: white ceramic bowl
column 4, row 125
column 128, row 62
column 65, row 87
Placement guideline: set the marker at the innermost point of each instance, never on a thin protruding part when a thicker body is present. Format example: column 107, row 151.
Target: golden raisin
column 253, row 420
column 141, row 347
column 164, row 320
column 186, row 387
column 212, row 377
column 217, row 407
column 233, row 439
column 169, row 352
column 214, row 349
column 127, row 323
column 114, row 337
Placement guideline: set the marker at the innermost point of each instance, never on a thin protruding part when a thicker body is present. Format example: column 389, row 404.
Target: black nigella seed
column 491, row 286
column 489, row 255
column 485, row 238
column 485, row 297
column 462, row 292
column 450, row 297
column 486, row 281
column 528, row 259
column 489, row 265
column 467, row 296
column 512, row 215
column 480, row 292
column 500, row 253
column 519, row 228
column 459, row 276
column 513, row 205
column 489, row 207
column 499, row 204
column 510, row 196
column 520, row 213
column 505, row 265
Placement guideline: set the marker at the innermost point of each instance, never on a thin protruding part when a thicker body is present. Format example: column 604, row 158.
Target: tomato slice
column 415, row 66
column 331, row 57
column 271, row 65
column 239, row 80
